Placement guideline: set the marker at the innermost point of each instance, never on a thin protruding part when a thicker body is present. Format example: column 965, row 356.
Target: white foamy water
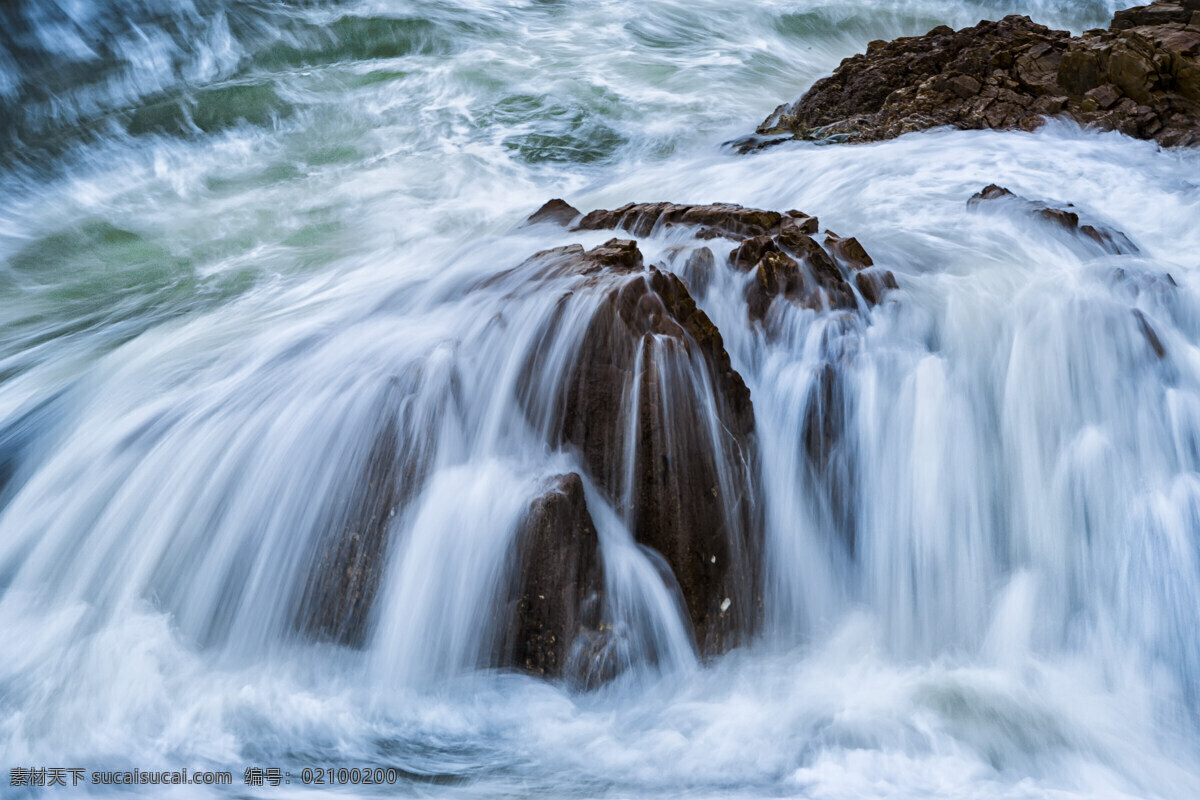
column 235, row 239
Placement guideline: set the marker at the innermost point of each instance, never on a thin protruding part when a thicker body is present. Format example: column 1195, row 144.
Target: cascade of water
column 282, row 396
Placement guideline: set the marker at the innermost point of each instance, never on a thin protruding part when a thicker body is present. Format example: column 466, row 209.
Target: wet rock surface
column 556, row 211
column 346, row 571
column 661, row 421
column 1066, row 218
column 352, row 547
column 779, row 249
column 651, row 391
column 1140, row 77
column 554, row 606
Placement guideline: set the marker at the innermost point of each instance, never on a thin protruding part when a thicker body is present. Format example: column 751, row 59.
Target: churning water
column 234, row 237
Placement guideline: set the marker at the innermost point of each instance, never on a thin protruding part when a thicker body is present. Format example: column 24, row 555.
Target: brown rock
column 649, row 354
column 649, row 387
column 697, row 268
column 874, row 283
column 821, row 266
column 849, row 250
column 775, row 274
column 556, row 211
column 343, row 577
column 1158, row 13
column 1010, row 74
column 555, row 603
column 641, row 219
column 751, row 251
column 1105, row 96
column 801, row 222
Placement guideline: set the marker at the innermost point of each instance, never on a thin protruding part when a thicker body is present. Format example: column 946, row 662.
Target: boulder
column 779, row 249
column 650, row 354
column 873, row 284
column 695, row 267
column 1141, row 77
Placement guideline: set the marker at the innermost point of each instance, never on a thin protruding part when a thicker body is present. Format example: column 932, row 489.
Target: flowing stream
column 237, row 238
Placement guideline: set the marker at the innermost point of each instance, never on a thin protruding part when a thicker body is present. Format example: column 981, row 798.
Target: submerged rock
column 554, row 608
column 1141, row 77
column 634, row 378
column 345, row 573
column 1067, row 218
column 352, row 544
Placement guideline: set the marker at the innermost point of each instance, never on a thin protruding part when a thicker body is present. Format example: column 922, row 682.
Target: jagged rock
column 725, row 219
column 750, row 252
column 801, row 222
column 555, row 603
column 822, row 267
column 821, row 284
column 1111, row 240
column 775, row 274
column 558, row 212
column 1141, row 77
column 352, row 542
column 692, row 492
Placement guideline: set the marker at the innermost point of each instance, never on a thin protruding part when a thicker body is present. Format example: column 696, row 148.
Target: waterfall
column 299, row 417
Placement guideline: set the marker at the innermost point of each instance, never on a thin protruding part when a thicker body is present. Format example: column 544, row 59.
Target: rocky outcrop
column 778, row 249
column 661, row 421
column 1065, row 218
column 554, row 608
column 1140, row 77
column 643, row 391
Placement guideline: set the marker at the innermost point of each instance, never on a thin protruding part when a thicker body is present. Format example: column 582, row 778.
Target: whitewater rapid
column 231, row 234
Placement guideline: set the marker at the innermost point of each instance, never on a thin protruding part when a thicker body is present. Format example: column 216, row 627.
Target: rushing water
column 232, row 233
